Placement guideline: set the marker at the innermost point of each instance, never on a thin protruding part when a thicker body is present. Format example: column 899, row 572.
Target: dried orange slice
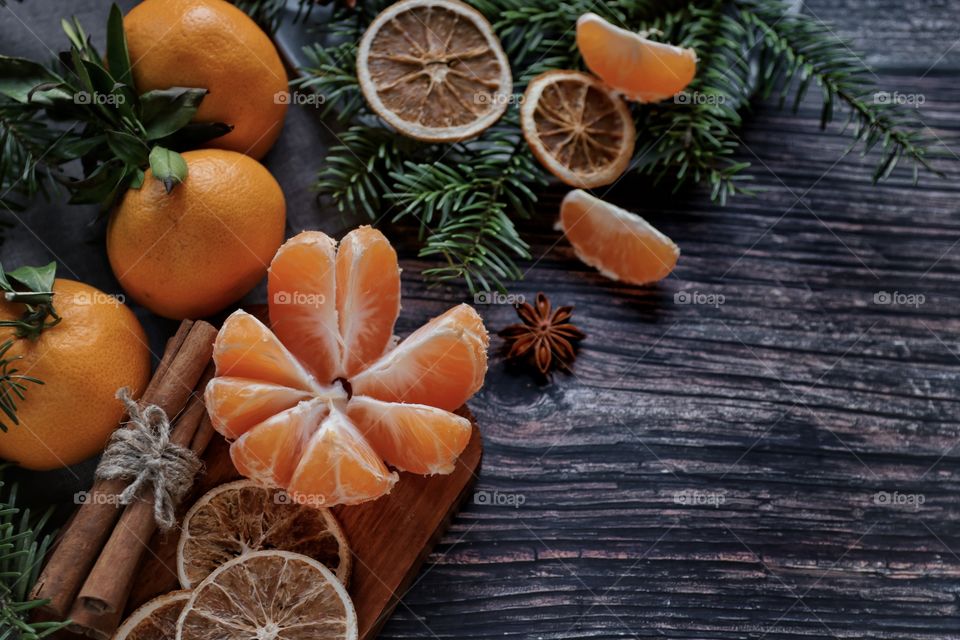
column 155, row 620
column 241, row 517
column 643, row 70
column 434, row 70
column 579, row 129
column 621, row 245
column 318, row 411
column 276, row 595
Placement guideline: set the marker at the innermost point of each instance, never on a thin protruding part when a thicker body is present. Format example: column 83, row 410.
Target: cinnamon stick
column 203, row 436
column 108, row 585
column 185, row 358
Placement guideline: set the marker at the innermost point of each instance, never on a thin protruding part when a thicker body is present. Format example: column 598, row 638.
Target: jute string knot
column 144, row 454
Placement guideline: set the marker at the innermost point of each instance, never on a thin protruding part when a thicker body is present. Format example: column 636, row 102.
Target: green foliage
column 23, row 545
column 466, row 196
column 33, row 288
column 82, row 107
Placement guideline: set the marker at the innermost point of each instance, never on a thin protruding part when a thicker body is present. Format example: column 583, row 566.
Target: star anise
column 545, row 337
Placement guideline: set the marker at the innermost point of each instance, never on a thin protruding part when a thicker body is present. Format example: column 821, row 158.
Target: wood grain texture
column 798, row 399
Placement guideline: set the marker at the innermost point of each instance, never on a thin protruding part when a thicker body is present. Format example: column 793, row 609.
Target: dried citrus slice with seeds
column 640, row 68
column 275, row 595
column 621, row 245
column 242, row 517
column 434, row 70
column 155, row 620
column 579, row 129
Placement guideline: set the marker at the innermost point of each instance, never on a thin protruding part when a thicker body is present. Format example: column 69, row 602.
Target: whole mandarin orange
column 213, row 45
column 191, row 252
column 97, row 347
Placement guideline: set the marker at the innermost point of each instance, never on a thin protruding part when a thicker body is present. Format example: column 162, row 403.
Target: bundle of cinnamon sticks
column 90, row 572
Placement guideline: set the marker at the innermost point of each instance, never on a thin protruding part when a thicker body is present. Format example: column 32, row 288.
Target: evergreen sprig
column 85, row 106
column 467, row 195
column 23, row 545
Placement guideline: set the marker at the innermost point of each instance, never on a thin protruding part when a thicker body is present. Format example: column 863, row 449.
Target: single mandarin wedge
column 269, row 594
column 368, row 297
column 338, row 466
column 577, row 128
column 301, row 289
column 434, row 70
column 621, row 245
column 237, row 404
column 155, row 620
column 441, row 364
column 317, row 408
column 241, row 517
column 245, row 348
column 270, row 451
column 412, row 437
column 641, row 69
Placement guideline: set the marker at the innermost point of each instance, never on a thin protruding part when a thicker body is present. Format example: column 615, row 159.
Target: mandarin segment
column 368, row 296
column 301, row 288
column 441, row 364
column 275, row 595
column 621, row 245
column 245, row 348
column 577, row 128
column 242, row 517
column 269, row 452
column 339, row 467
column 434, row 70
column 411, row 437
column 237, row 404
column 641, row 69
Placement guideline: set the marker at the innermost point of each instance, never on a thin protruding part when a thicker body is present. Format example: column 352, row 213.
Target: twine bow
column 144, row 454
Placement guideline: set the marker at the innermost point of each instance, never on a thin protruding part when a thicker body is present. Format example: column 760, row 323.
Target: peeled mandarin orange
column 213, row 45
column 97, row 347
column 621, row 245
column 318, row 407
column 641, row 69
column 191, row 252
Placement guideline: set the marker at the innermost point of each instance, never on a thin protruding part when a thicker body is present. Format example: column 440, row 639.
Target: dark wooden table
column 781, row 465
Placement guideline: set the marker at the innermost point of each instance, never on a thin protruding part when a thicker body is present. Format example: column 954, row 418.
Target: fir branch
column 23, row 545
column 800, row 50
column 357, row 173
column 29, row 151
column 692, row 138
column 331, row 73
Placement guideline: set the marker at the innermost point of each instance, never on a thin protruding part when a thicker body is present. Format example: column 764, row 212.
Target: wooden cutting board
column 390, row 537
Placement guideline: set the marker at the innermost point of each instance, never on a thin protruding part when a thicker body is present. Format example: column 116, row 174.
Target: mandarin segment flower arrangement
column 279, row 460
